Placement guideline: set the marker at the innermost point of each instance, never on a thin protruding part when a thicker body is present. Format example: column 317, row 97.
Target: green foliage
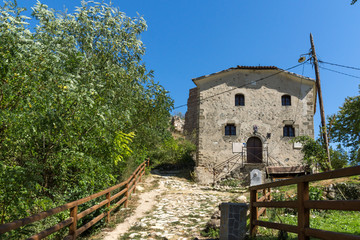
column 78, row 107
column 122, row 149
column 339, row 157
column 331, row 220
column 175, row 152
column 347, row 191
column 345, row 128
column 211, row 233
column 232, row 182
column 315, row 193
column 314, row 153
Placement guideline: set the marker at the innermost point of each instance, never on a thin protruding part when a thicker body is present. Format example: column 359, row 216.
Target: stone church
column 244, row 118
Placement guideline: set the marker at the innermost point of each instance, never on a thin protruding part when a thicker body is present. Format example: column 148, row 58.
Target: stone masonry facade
column 222, row 128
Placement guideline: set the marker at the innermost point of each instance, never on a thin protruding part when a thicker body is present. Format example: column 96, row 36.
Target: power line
column 339, row 65
column 258, row 80
column 346, row 74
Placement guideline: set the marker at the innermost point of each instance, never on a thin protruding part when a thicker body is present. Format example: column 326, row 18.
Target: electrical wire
column 258, row 80
column 339, row 65
column 346, row 74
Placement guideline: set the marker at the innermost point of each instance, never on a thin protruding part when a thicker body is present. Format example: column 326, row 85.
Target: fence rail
column 303, row 205
column 128, row 186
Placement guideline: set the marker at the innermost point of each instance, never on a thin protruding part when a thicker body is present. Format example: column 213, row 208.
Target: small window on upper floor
column 230, row 130
column 239, row 100
column 286, row 100
column 289, row 131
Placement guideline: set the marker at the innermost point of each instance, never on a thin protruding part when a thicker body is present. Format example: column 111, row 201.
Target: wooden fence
column 303, row 205
column 125, row 189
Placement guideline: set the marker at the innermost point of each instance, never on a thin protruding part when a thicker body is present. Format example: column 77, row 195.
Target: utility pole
column 318, row 86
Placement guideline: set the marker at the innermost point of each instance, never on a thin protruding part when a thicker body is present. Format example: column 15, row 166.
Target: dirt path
column 176, row 209
column 146, row 203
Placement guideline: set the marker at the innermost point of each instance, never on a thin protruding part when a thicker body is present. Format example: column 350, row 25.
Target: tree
column 339, row 157
column 315, row 154
column 345, row 127
column 78, row 106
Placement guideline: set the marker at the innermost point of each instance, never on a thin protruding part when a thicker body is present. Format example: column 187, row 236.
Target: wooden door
column 254, row 150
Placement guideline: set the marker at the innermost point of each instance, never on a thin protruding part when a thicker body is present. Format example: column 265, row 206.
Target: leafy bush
column 315, row 154
column 173, row 151
column 315, row 193
column 349, row 191
column 211, row 232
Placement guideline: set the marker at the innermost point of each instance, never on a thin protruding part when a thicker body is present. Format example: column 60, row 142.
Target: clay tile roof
column 253, row 68
column 256, row 67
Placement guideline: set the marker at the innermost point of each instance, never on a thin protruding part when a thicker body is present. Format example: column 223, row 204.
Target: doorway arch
column 254, row 150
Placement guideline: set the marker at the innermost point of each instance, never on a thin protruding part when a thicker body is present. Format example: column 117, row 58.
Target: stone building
column 243, row 118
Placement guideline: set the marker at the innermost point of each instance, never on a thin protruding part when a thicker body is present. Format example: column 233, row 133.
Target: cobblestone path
column 180, row 212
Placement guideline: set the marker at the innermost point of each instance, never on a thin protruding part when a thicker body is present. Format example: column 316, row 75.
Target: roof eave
column 251, row 68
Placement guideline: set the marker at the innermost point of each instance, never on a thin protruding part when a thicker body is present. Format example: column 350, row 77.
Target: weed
column 211, row 232
column 231, row 182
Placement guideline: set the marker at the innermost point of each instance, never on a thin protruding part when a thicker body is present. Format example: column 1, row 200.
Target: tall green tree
column 78, row 105
column 345, row 127
column 315, row 154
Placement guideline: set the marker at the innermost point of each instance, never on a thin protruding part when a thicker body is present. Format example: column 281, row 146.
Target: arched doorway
column 254, row 150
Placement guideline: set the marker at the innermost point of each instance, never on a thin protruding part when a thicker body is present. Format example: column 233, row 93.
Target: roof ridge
column 253, row 68
column 256, row 67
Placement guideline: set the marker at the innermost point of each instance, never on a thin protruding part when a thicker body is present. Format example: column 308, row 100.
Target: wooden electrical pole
column 318, row 86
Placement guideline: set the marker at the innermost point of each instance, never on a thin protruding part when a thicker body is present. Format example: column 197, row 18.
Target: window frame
column 239, row 99
column 230, row 129
column 288, row 131
column 286, row 100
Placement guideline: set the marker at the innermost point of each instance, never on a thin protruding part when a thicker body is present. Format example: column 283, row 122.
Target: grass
column 330, row 220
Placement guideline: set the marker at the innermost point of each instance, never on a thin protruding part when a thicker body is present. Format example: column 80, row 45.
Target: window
column 286, row 100
column 239, row 100
column 289, row 131
column 230, row 130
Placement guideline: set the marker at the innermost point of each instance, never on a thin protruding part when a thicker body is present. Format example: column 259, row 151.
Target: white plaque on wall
column 237, row 147
column 297, row 145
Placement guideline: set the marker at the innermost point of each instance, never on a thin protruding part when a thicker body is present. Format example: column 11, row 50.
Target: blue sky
column 190, row 38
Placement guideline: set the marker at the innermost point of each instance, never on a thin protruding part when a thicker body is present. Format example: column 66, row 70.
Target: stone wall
column 191, row 116
column 263, row 108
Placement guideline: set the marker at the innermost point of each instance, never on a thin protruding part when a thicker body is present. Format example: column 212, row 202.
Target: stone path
column 180, row 211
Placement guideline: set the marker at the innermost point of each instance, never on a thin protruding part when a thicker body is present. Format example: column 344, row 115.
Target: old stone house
column 243, row 118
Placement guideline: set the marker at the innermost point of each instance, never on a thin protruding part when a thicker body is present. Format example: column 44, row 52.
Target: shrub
column 176, row 152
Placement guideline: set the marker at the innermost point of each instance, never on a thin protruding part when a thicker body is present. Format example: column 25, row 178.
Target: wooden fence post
column 73, row 226
column 141, row 173
column 108, row 196
column 303, row 213
column 127, row 194
column 136, row 175
column 253, row 212
column 148, row 162
column 265, row 199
